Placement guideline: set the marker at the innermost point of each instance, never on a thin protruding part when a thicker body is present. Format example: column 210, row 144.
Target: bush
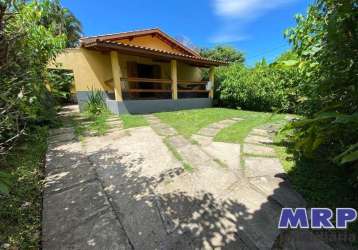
column 262, row 88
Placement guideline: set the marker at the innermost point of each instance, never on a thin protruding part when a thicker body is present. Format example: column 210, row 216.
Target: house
column 140, row 72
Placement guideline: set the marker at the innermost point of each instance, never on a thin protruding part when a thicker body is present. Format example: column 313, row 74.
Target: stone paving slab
column 61, row 138
column 228, row 153
column 214, row 180
column 262, row 166
column 142, row 222
column 254, row 216
column 191, row 219
column 227, row 122
column 152, row 119
column 163, row 129
column 111, row 119
column 214, row 128
column 62, row 156
column 258, row 150
column 202, row 140
column 58, row 131
column 278, row 190
column 115, row 123
column 59, row 179
column 100, row 232
column 64, row 211
column 194, row 155
column 210, row 132
column 260, row 132
column 272, row 127
column 238, row 119
column 218, row 126
column 255, row 139
column 179, row 141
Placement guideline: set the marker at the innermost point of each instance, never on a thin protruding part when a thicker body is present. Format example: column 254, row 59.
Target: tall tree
column 223, row 53
column 61, row 20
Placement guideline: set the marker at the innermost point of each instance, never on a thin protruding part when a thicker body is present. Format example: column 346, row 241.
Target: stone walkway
column 227, row 153
column 127, row 190
column 249, row 197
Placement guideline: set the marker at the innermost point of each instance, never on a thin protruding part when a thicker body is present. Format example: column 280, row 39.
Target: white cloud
column 236, row 16
column 246, row 9
column 226, row 37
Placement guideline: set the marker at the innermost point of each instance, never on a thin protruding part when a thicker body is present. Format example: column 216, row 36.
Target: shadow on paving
column 177, row 220
column 106, row 200
column 323, row 184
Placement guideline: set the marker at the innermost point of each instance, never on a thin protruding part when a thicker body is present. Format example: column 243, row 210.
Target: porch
column 141, row 88
column 138, row 79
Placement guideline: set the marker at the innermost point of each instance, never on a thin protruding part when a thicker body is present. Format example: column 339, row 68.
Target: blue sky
column 254, row 27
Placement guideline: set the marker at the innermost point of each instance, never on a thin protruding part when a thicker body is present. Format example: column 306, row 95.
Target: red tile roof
column 136, row 33
column 136, row 49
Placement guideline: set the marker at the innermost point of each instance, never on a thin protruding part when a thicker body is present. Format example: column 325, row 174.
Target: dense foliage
column 326, row 43
column 31, row 35
column 265, row 87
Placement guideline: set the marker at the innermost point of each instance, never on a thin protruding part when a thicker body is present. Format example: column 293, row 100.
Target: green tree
column 223, row 53
column 61, row 20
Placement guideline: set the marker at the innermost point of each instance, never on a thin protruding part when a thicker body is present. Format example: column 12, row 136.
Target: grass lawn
column 20, row 211
column 131, row 121
column 238, row 132
column 188, row 122
column 191, row 121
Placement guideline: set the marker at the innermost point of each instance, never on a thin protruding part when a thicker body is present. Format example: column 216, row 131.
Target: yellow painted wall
column 188, row 72
column 92, row 69
column 150, row 42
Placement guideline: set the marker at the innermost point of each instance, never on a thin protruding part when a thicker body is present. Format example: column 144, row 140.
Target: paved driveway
column 126, row 190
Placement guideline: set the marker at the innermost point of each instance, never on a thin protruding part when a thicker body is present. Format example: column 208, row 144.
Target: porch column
column 117, row 74
column 212, row 81
column 174, row 77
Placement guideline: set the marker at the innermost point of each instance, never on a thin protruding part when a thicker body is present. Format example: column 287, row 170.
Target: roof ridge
column 119, row 33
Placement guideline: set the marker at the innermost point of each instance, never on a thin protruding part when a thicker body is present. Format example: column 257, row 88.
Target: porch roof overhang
column 106, row 46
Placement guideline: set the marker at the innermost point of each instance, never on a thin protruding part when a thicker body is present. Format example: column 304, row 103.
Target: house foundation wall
column 152, row 106
column 144, row 106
